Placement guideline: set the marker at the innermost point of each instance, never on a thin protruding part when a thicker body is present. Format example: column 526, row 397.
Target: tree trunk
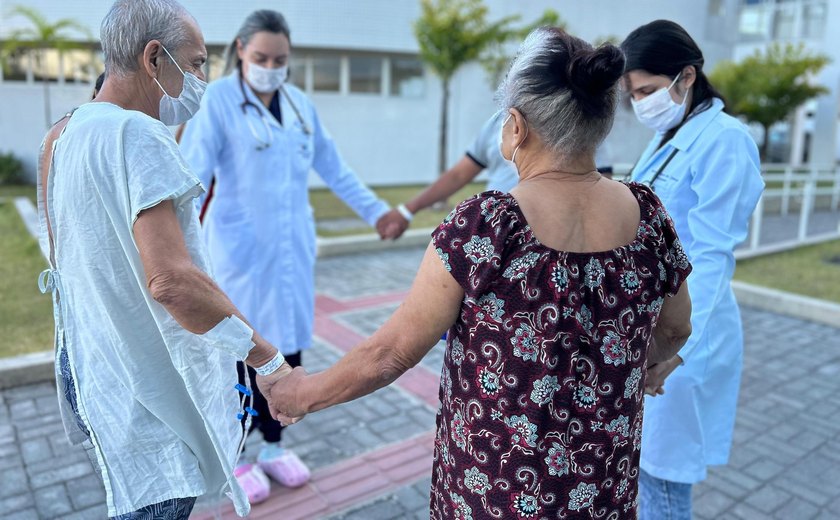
column 765, row 145
column 444, row 131
column 46, row 81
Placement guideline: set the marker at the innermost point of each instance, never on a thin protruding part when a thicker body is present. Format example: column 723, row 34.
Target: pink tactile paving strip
column 352, row 481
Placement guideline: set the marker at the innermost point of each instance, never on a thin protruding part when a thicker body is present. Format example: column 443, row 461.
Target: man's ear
column 150, row 59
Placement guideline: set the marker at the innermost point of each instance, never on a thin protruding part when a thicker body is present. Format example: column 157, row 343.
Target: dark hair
column 664, row 48
column 258, row 21
column 565, row 89
column 99, row 81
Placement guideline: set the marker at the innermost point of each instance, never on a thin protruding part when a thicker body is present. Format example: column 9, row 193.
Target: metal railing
column 795, row 188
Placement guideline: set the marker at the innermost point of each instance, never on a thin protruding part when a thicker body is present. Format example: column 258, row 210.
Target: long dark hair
column 258, row 21
column 664, row 48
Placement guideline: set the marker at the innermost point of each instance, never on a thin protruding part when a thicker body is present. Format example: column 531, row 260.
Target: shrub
column 11, row 169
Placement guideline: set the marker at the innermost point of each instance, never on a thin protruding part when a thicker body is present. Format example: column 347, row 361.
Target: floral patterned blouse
column 542, row 385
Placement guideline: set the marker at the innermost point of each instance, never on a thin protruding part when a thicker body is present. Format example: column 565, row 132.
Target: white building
column 358, row 61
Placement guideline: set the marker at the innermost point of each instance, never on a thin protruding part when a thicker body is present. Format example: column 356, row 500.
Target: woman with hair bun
column 704, row 166
column 556, row 297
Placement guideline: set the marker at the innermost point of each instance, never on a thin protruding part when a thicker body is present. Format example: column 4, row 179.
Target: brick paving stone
column 60, row 474
column 14, row 482
column 17, row 502
column 798, row 509
column 36, row 450
column 86, row 492
column 24, row 514
column 768, row 499
column 53, row 502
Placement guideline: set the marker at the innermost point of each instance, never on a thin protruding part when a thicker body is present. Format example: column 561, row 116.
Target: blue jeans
column 662, row 499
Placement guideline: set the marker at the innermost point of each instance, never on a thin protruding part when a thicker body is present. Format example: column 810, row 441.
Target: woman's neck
column 548, row 163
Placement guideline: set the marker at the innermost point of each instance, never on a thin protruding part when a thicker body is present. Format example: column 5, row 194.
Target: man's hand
column 266, row 383
column 656, row 375
column 285, row 400
column 391, row 225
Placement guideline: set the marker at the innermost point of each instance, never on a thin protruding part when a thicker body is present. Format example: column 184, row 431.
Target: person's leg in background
column 282, row 465
column 662, row 499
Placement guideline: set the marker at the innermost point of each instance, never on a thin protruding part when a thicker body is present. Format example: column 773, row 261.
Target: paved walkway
column 372, row 458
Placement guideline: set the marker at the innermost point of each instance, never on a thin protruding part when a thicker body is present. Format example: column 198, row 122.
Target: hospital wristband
column 272, row 366
column 408, row 215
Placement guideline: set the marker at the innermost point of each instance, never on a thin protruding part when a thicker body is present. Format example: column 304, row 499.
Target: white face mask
column 512, row 160
column 175, row 111
column 659, row 111
column 266, row 80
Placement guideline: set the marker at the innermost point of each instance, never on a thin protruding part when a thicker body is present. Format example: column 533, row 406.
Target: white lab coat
column 710, row 189
column 259, row 226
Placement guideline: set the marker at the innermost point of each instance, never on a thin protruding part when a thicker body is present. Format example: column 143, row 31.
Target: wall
column 22, row 118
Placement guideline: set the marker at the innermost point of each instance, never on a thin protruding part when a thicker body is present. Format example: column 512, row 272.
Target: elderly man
column 146, row 342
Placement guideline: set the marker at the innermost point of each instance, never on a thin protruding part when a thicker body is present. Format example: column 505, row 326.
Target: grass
column 806, row 271
column 26, row 322
column 327, row 206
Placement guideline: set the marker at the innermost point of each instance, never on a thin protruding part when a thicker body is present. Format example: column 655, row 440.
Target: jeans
column 662, row 499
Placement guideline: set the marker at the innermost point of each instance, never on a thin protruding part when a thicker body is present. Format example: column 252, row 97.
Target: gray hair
column 566, row 90
column 258, row 21
column 131, row 24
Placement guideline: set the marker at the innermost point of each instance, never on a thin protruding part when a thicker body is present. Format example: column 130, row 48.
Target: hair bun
column 594, row 71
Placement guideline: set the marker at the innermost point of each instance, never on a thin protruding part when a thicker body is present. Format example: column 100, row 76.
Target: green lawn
column 26, row 323
column 807, row 271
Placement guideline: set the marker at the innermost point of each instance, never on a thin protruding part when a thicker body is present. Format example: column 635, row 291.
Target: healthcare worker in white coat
column 704, row 166
column 252, row 145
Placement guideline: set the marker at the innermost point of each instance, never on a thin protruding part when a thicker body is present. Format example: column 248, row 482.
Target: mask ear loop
column 513, row 156
column 176, row 64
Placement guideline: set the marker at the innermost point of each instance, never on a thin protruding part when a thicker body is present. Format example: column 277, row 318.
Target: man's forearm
column 198, row 304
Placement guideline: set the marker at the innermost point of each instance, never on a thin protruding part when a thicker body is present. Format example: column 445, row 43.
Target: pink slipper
column 286, row 468
column 253, row 482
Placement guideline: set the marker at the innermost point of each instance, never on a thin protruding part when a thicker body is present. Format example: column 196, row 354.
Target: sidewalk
column 371, row 458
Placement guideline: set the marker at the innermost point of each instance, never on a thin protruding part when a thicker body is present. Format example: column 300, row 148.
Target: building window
column 407, row 79
column 813, row 20
column 365, row 74
column 784, row 22
column 326, row 73
column 297, row 72
column 762, row 20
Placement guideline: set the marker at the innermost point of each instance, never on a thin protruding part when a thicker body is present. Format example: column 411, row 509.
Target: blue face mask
column 175, row 111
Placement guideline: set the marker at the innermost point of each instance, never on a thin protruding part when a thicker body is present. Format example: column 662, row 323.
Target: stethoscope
column 658, row 172
column 262, row 144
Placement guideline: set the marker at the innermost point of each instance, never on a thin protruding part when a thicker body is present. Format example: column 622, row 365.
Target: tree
column 452, row 33
column 41, row 37
column 767, row 86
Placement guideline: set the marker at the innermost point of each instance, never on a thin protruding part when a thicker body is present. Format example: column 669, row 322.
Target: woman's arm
column 673, row 327
column 431, row 307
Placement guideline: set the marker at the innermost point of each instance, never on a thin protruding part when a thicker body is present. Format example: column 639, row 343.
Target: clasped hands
column 391, row 225
column 280, row 390
column 657, row 373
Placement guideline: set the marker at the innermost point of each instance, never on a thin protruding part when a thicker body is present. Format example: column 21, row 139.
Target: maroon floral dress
column 542, row 385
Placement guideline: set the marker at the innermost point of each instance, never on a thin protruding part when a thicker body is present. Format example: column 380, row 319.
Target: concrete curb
column 354, row 244
column 27, row 369
column 788, row 304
